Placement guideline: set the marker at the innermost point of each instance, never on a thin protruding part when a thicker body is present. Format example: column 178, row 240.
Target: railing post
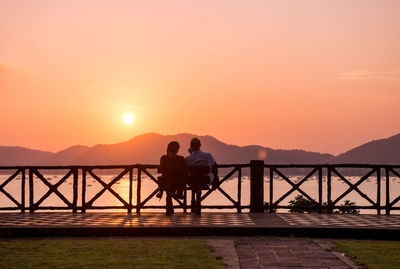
column 320, row 189
column 138, row 190
column 256, row 186
column 329, row 190
column 83, row 190
column 378, row 194
column 387, row 191
column 23, row 190
column 31, row 205
column 130, row 190
column 271, row 189
column 239, row 196
column 75, row 190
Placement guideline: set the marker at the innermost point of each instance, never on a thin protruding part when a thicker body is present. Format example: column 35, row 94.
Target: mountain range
column 147, row 149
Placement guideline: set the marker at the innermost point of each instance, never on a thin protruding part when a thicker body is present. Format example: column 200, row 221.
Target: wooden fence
column 258, row 173
column 79, row 178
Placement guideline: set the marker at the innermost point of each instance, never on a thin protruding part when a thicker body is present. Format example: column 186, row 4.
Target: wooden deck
column 60, row 224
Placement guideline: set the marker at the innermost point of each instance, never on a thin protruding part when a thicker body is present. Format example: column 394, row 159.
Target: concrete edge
column 325, row 232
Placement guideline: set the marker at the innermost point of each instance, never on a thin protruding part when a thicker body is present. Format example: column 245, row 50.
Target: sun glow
column 128, row 119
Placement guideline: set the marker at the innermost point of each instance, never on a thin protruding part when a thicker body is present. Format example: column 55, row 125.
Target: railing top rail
column 344, row 165
column 122, row 166
column 238, row 165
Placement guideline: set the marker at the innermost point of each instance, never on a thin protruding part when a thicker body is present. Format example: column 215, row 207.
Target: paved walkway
column 279, row 252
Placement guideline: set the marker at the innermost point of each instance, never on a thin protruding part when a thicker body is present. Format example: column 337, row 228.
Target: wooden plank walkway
column 209, row 223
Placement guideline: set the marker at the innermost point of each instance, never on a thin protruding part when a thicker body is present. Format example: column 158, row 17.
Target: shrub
column 267, row 208
column 347, row 208
column 300, row 204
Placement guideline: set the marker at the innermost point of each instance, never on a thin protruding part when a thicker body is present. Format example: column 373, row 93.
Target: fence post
column 387, row 211
column 31, row 203
column 23, row 190
column 75, row 173
column 378, row 194
column 256, row 186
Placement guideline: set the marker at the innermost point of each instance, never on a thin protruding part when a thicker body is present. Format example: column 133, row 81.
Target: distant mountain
column 148, row 148
column 65, row 157
column 383, row 151
column 22, row 156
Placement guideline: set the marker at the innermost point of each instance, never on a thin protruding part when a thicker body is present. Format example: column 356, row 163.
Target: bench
column 197, row 179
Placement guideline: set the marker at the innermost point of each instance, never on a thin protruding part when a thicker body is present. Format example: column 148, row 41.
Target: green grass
column 106, row 253
column 371, row 254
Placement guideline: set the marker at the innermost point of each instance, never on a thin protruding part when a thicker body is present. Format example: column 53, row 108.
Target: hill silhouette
column 147, row 149
column 22, row 156
column 382, row 151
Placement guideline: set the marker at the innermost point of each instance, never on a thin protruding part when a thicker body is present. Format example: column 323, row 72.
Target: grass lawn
column 371, row 254
column 106, row 253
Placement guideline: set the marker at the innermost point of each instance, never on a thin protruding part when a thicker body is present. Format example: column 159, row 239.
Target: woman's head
column 173, row 148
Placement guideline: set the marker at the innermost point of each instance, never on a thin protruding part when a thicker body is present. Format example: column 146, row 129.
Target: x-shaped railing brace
column 398, row 198
column 353, row 186
column 218, row 187
column 52, row 189
column 156, row 191
column 106, row 187
column 295, row 186
column 6, row 193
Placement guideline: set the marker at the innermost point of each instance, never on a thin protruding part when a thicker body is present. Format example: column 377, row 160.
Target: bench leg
column 193, row 202
column 198, row 202
column 168, row 199
column 185, row 201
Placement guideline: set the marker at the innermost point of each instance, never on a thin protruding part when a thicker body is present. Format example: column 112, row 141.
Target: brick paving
column 280, row 252
column 207, row 219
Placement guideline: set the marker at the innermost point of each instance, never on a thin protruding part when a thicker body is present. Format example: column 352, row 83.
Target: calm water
column 216, row 198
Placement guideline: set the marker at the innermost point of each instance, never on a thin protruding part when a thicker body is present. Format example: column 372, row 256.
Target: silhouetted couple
column 175, row 175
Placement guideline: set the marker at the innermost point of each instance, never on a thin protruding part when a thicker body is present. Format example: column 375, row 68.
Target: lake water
column 369, row 187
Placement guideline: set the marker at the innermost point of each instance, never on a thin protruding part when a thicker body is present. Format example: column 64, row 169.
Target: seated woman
column 173, row 179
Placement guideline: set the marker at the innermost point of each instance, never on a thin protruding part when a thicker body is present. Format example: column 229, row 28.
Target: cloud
column 370, row 75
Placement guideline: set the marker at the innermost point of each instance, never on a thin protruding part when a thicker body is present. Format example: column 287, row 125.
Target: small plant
column 347, row 208
column 300, row 204
column 267, row 208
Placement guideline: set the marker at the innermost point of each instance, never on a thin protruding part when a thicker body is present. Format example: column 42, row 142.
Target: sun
column 127, row 119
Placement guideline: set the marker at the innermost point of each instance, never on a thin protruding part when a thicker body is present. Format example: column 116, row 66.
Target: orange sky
column 316, row 75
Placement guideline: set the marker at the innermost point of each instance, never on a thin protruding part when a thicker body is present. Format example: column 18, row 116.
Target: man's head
column 195, row 144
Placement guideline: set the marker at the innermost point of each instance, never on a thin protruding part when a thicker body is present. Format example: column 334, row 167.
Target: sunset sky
column 314, row 75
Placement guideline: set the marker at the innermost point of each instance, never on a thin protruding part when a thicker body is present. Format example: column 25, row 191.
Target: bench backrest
column 190, row 170
column 197, row 176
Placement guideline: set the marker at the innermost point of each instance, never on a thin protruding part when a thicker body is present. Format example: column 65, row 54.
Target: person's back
column 171, row 168
column 199, row 158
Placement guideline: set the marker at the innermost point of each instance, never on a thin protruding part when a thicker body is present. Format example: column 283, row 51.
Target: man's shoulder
column 208, row 155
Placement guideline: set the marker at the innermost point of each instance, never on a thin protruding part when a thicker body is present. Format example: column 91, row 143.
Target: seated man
column 200, row 158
